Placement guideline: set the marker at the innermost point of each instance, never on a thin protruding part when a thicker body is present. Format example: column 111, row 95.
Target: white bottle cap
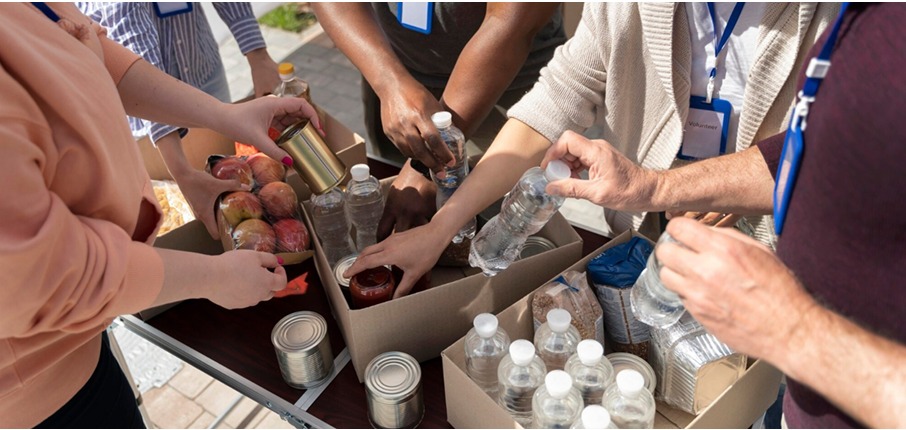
column 595, row 417
column 558, row 320
column 522, row 352
column 558, row 383
column 556, row 170
column 485, row 325
column 360, row 172
column 630, row 382
column 442, row 119
column 590, row 352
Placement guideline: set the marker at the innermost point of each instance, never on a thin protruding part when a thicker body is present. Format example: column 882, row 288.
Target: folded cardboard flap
column 469, row 407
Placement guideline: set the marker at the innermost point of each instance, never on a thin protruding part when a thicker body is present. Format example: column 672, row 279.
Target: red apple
column 239, row 206
column 254, row 234
column 292, row 236
column 233, row 168
column 279, row 199
column 265, row 169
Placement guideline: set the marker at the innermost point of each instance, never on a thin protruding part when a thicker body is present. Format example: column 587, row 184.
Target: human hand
column 715, row 219
column 414, row 251
column 411, row 202
column 201, row 191
column 406, row 117
column 244, row 278
column 249, row 122
column 265, row 77
column 613, row 180
column 736, row 287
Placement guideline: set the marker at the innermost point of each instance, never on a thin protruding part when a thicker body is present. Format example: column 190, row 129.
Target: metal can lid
column 300, row 331
column 291, row 131
column 625, row 360
column 343, row 264
column 535, row 245
column 393, row 376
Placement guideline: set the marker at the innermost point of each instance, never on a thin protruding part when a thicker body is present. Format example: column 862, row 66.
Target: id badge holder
column 706, row 129
column 165, row 9
column 416, row 16
column 787, row 171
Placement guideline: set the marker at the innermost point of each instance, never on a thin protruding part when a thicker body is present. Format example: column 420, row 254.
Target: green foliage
column 293, row 17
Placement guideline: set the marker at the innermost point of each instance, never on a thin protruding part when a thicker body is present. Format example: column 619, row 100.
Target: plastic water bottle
column 366, row 205
column 556, row 340
column 332, row 225
column 652, row 303
column 520, row 373
column 630, row 404
column 592, row 373
column 594, row 417
column 291, row 86
column 486, row 344
column 557, row 404
column 454, row 176
column 523, row 212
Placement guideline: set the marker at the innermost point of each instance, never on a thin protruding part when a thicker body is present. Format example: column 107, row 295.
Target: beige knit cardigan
column 628, row 70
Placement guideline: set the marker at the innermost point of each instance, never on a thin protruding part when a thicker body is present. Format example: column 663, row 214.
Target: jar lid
column 375, row 277
column 393, row 376
column 301, row 331
column 624, row 360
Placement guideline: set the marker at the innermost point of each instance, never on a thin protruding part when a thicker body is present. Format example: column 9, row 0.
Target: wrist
column 391, row 82
column 259, row 54
column 654, row 194
column 793, row 351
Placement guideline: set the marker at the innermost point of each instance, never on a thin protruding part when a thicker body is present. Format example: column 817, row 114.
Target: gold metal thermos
column 313, row 160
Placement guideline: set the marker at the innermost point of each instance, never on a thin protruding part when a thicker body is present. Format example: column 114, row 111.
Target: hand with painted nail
column 250, row 121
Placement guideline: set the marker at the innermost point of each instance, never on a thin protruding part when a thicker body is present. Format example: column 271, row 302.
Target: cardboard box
column 470, row 407
column 425, row 323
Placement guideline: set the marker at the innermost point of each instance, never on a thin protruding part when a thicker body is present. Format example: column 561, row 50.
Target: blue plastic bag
column 621, row 265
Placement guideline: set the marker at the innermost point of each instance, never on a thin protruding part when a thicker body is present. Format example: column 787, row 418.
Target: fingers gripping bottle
column 366, row 205
column 652, row 303
column 592, row 373
column 332, row 225
column 556, row 340
column 557, row 404
column 453, row 176
column 630, row 404
column 594, row 417
column 525, row 210
column 486, row 344
column 520, row 373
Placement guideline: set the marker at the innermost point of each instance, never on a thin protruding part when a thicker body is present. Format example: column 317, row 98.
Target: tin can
column 338, row 270
column 535, row 245
column 393, row 385
column 313, row 160
column 625, row 360
column 303, row 349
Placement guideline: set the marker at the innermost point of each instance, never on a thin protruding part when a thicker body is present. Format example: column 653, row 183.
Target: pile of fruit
column 267, row 218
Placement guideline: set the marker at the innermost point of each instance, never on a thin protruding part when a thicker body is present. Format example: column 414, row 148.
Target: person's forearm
column 170, row 147
column 516, row 149
column 149, row 93
column 737, row 183
column 187, row 275
column 355, row 30
column 491, row 59
column 858, row 371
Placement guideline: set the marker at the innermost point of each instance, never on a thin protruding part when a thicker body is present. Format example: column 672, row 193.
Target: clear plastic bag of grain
column 612, row 275
column 570, row 291
column 173, row 204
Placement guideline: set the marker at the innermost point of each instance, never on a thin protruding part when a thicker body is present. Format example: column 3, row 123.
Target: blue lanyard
column 48, row 12
column 794, row 141
column 720, row 41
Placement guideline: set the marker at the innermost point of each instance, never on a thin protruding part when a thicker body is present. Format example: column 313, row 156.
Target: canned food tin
column 313, row 160
column 394, row 390
column 535, row 245
column 342, row 265
column 625, row 360
column 303, row 349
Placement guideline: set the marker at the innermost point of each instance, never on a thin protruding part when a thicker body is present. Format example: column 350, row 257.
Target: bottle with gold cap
column 291, row 85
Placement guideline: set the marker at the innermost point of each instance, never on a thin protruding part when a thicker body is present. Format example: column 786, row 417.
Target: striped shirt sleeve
column 240, row 18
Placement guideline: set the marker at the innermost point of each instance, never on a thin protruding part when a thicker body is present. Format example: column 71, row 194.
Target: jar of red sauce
column 371, row 286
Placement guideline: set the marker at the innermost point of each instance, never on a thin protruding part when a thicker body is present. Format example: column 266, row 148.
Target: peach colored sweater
column 73, row 253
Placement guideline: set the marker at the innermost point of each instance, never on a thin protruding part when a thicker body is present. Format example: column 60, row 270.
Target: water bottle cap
column 286, row 70
column 485, row 325
column 558, row 383
column 595, row 417
column 630, row 382
column 442, row 119
column 558, row 320
column 522, row 352
column 590, row 352
column 556, row 170
column 360, row 172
